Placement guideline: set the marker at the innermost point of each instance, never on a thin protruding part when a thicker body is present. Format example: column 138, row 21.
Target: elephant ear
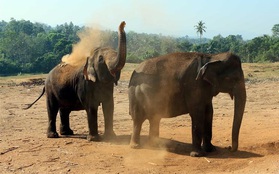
column 89, row 72
column 208, row 72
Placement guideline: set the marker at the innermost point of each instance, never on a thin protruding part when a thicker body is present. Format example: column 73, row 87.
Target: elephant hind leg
column 135, row 138
column 65, row 122
column 137, row 113
column 52, row 109
column 154, row 129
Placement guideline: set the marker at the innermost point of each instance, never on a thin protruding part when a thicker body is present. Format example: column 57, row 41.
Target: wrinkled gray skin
column 71, row 88
column 181, row 83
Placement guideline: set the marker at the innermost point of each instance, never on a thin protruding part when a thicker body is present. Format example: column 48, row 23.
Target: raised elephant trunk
column 239, row 105
column 121, row 55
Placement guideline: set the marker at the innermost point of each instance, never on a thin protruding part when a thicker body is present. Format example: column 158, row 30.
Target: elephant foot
column 52, row 135
column 155, row 142
column 231, row 149
column 135, row 141
column 109, row 135
column 209, row 148
column 134, row 145
column 66, row 131
column 93, row 137
column 198, row 153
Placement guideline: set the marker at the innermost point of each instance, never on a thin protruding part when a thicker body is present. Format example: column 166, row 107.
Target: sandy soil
column 24, row 147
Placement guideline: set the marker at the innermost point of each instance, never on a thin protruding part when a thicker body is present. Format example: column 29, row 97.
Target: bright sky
column 249, row 18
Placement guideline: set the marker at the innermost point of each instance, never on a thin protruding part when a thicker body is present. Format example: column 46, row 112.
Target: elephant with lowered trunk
column 84, row 87
column 181, row 83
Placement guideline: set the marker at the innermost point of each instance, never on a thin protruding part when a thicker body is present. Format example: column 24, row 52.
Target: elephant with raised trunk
column 181, row 83
column 84, row 87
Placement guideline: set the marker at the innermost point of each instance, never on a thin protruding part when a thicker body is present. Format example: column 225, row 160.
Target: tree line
column 27, row 47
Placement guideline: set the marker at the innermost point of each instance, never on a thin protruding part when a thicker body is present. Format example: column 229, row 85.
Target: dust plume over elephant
column 181, row 83
column 85, row 86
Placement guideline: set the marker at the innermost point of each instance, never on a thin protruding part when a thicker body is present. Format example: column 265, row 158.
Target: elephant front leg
column 207, row 146
column 108, row 108
column 92, row 125
column 197, row 133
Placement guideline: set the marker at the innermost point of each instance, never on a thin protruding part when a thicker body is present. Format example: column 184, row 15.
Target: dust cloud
column 90, row 38
column 149, row 156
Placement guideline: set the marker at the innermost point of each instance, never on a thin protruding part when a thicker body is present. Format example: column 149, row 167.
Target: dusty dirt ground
column 24, row 147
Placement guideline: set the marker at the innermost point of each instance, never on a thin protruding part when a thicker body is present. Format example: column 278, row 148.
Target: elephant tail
column 30, row 105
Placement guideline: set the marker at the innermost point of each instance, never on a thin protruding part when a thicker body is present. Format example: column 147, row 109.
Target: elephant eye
column 101, row 59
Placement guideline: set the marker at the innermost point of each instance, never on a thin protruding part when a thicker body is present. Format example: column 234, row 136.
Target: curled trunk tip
column 122, row 26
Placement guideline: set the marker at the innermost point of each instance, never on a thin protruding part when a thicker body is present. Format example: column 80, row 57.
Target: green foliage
column 8, row 66
column 275, row 30
column 27, row 47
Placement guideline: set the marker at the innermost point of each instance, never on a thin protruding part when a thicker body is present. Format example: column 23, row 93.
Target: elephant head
column 224, row 74
column 105, row 64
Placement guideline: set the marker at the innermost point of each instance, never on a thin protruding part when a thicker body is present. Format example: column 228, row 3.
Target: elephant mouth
column 104, row 80
column 107, row 76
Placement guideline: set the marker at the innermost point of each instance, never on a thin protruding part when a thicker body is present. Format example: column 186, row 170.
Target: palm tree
column 200, row 29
